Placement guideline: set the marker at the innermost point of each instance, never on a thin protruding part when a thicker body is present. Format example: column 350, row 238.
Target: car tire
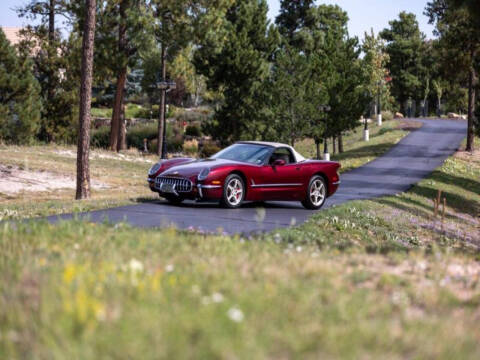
column 316, row 193
column 173, row 199
column 233, row 192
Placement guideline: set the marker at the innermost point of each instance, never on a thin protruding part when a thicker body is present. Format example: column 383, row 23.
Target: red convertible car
column 247, row 171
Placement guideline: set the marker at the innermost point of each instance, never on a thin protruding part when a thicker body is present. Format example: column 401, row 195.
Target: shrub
column 208, row 149
column 387, row 115
column 193, row 130
column 174, row 144
column 190, row 147
column 100, row 137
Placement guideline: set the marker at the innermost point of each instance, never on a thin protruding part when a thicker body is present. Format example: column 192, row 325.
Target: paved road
column 412, row 159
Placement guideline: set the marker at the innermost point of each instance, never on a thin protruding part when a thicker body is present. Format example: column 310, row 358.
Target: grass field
column 371, row 279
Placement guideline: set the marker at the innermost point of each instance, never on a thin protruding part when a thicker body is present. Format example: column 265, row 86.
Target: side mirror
column 279, row 162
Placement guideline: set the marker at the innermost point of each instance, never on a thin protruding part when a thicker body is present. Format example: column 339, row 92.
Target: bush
column 190, row 147
column 208, row 149
column 387, row 115
column 100, row 137
column 193, row 130
column 135, row 135
column 174, row 144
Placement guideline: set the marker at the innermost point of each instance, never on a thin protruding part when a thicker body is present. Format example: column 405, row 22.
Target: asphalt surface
column 411, row 160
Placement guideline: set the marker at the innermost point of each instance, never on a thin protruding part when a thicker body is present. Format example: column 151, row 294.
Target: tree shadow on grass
column 369, row 150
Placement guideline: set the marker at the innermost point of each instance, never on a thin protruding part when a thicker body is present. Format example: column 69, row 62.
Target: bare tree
column 83, row 146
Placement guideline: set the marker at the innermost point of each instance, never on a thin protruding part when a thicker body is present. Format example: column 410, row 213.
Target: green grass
column 131, row 111
column 358, row 152
column 371, row 279
column 80, row 290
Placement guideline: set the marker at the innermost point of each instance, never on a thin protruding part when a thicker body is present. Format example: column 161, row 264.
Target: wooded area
column 258, row 80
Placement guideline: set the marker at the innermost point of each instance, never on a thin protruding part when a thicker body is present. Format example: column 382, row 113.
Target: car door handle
column 298, row 168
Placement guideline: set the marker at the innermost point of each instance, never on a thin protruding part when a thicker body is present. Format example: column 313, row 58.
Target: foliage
column 407, row 64
column 20, row 102
column 56, row 67
column 239, row 70
column 208, row 149
column 190, row 147
column 193, row 130
column 294, row 95
column 459, row 32
column 375, row 68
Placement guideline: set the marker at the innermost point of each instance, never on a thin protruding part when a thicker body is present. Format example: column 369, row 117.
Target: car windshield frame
column 258, row 155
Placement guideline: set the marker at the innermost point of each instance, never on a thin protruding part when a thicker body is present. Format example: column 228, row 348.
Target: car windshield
column 251, row 153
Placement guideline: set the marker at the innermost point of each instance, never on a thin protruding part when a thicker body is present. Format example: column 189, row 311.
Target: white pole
column 326, row 156
column 366, row 135
column 379, row 118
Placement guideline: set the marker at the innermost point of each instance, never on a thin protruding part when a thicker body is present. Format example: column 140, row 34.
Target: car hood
column 195, row 167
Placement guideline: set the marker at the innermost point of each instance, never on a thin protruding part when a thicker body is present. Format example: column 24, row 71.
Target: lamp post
column 326, row 156
column 165, row 86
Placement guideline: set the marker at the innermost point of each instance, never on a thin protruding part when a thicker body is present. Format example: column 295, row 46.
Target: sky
column 363, row 14
column 367, row 14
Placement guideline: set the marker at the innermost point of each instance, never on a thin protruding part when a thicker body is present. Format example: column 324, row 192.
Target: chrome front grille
column 181, row 185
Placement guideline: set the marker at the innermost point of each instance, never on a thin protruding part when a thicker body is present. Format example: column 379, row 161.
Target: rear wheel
column 173, row 199
column 316, row 193
column 233, row 191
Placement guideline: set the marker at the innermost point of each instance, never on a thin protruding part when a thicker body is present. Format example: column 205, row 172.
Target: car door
column 281, row 182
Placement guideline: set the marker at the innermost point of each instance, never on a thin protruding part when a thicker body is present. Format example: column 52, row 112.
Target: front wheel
column 316, row 193
column 233, row 192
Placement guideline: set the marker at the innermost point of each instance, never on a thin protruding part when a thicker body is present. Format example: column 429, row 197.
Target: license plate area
column 167, row 188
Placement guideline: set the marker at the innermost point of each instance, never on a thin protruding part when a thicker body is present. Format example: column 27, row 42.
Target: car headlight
column 154, row 169
column 203, row 174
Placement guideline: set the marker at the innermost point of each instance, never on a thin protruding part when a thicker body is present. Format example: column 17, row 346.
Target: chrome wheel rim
column 234, row 192
column 317, row 192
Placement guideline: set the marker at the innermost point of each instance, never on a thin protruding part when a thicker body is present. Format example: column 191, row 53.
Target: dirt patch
column 97, row 154
column 468, row 156
column 14, row 180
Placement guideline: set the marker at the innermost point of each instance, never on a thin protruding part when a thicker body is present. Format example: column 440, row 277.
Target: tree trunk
column 161, row 119
column 325, row 146
column 122, row 131
column 83, row 145
column 121, row 79
column 472, row 83
column 117, row 109
column 340, row 143
column 317, row 144
column 334, row 145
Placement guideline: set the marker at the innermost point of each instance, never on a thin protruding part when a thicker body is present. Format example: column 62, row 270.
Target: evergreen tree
column 238, row 69
column 43, row 44
column 459, row 32
column 20, row 103
column 406, row 49
column 294, row 95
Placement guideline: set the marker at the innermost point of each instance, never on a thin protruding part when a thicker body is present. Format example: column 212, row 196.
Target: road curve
column 412, row 159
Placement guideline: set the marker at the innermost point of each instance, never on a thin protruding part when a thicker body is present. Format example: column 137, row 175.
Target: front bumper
column 198, row 191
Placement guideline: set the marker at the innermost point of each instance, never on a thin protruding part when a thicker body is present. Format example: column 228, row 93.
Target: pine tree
column 42, row 43
column 406, row 49
column 239, row 70
column 20, row 103
column 458, row 27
